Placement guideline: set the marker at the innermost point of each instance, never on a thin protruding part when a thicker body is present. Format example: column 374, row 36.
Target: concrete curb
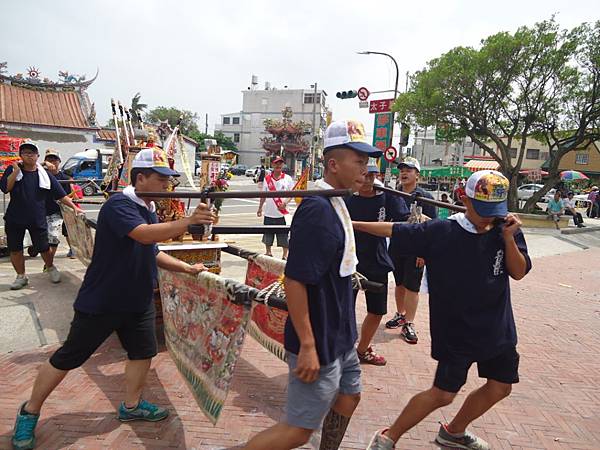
column 587, row 229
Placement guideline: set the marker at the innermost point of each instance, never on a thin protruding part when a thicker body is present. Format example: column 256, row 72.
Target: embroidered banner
column 268, row 324
column 204, row 333
column 80, row 234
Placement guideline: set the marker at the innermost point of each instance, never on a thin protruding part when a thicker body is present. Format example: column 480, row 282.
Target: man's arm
column 381, row 229
column 173, row 264
column 516, row 264
column 11, row 179
column 158, row 232
column 308, row 366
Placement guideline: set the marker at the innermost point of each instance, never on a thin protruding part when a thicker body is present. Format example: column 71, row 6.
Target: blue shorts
column 308, row 403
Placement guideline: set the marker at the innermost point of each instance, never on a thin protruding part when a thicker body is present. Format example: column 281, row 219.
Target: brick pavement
column 556, row 405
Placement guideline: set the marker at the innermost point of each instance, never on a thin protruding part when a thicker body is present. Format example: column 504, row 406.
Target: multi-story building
column 246, row 127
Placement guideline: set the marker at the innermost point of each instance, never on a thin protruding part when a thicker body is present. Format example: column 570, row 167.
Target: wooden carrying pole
column 420, row 199
column 246, row 194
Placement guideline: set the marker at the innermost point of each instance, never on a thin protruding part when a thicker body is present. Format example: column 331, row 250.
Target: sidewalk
column 556, row 405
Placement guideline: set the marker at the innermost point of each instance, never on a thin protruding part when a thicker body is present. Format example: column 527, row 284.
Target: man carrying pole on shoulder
column 471, row 321
column 320, row 333
column 117, row 294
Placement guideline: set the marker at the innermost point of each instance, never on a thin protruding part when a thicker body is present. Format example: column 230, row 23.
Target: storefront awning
column 477, row 164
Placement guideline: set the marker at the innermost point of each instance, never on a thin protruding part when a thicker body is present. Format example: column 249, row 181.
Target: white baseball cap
column 351, row 134
column 411, row 162
column 155, row 159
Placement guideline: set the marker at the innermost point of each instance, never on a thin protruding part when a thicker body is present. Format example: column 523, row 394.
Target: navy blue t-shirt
column 123, row 273
column 372, row 253
column 27, row 204
column 51, row 206
column 316, row 249
column 470, row 312
column 429, row 210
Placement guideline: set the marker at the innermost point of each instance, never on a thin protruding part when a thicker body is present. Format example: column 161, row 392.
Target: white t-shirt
column 285, row 183
column 569, row 204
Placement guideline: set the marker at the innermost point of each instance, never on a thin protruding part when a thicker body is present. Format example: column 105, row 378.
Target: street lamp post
column 395, row 85
column 313, row 147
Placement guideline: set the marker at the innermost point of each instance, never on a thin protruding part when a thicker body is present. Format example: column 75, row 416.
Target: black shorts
column 407, row 274
column 136, row 331
column 15, row 233
column 376, row 301
column 504, row 368
column 282, row 238
column 64, row 230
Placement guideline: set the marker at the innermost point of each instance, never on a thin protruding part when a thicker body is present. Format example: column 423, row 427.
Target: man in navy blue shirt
column 116, row 293
column 30, row 187
column 374, row 261
column 471, row 322
column 408, row 269
column 324, row 371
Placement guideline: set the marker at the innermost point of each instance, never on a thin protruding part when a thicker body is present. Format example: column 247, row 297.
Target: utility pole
column 206, row 124
column 313, row 145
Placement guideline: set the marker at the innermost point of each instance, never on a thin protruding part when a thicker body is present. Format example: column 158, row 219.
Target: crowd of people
column 330, row 239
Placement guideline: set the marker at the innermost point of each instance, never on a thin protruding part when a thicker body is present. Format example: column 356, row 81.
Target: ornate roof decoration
column 287, row 136
column 67, row 81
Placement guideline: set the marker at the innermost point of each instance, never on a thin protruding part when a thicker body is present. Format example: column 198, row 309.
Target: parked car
column 225, row 167
column 238, row 169
column 197, row 167
column 252, row 171
column 526, row 191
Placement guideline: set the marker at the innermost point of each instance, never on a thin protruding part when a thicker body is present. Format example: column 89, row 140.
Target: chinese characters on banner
column 382, row 133
column 380, row 106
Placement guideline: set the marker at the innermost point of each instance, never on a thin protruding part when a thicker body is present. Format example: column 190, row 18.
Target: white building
column 430, row 151
column 246, row 127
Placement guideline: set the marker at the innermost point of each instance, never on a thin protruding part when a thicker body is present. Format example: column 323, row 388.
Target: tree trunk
column 513, row 199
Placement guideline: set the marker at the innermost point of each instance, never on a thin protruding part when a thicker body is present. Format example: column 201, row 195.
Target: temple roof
column 42, row 107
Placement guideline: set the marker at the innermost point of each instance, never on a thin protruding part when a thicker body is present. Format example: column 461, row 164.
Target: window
column 532, row 153
column 513, row 152
column 236, row 120
column 226, row 120
column 310, row 98
column 582, row 158
column 545, row 155
column 236, row 138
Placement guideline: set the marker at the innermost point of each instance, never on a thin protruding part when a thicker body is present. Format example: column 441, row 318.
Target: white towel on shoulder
column 42, row 175
column 349, row 259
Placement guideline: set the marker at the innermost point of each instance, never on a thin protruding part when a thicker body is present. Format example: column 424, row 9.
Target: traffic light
column 404, row 134
column 346, row 94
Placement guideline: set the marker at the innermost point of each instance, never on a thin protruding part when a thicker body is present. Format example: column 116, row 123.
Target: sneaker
column 370, row 357
column 408, row 333
column 23, row 435
column 143, row 411
column 54, row 274
column 396, row 322
column 381, row 442
column 70, row 253
column 468, row 440
column 19, row 283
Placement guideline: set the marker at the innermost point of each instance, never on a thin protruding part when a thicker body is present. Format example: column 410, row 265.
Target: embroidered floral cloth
column 204, row 333
column 267, row 324
column 80, row 234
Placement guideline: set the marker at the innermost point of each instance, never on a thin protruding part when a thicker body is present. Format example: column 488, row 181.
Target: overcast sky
column 200, row 55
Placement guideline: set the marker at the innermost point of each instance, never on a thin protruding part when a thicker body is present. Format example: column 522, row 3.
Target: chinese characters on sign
column 382, row 132
column 380, row 106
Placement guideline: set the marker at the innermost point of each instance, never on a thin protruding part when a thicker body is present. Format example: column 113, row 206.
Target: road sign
column 363, row 104
column 388, row 176
column 381, row 106
column 363, row 93
column 390, row 154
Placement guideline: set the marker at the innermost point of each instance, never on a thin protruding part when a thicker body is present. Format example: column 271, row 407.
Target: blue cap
column 372, row 169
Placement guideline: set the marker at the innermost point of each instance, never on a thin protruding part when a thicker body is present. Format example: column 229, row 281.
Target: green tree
column 188, row 123
column 137, row 107
column 224, row 141
column 540, row 82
